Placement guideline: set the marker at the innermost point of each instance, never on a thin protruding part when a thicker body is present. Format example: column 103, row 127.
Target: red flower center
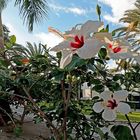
column 116, row 49
column 79, row 42
column 112, row 104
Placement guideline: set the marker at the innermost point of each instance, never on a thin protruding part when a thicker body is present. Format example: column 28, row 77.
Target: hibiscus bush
column 50, row 86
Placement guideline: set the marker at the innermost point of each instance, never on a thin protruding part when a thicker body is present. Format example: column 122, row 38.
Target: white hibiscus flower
column 112, row 103
column 79, row 41
column 117, row 48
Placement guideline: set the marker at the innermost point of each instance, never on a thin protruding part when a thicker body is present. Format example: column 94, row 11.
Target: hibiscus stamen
column 79, row 42
column 110, row 46
column 112, row 104
column 116, row 49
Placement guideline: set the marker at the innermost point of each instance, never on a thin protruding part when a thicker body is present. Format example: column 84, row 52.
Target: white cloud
column 21, row 37
column 48, row 38
column 118, row 7
column 73, row 9
column 77, row 11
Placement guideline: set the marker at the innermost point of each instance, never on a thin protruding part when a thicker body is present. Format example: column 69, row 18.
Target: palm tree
column 32, row 11
column 30, row 50
column 132, row 31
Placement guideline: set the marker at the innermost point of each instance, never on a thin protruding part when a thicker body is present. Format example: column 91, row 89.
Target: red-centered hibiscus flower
column 80, row 42
column 112, row 103
column 117, row 48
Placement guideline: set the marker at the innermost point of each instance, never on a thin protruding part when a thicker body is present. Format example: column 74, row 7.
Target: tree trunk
column 1, row 33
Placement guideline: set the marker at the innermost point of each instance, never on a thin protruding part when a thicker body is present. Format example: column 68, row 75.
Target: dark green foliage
column 122, row 132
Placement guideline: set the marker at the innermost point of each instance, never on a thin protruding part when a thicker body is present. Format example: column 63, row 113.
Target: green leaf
column 98, row 10
column 98, row 88
column 113, row 33
column 76, row 62
column 100, row 61
column 96, row 81
column 8, row 45
column 13, row 39
column 122, row 132
column 0, row 88
column 18, row 131
column 102, row 53
column 113, row 86
column 117, row 77
column 107, row 28
column 58, row 75
column 37, row 120
column 99, row 131
column 3, row 63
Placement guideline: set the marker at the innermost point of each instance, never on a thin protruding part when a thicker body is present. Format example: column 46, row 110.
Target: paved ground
column 138, row 132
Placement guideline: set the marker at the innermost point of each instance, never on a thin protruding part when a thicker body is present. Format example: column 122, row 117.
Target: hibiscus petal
column 66, row 58
column 90, row 27
column 98, row 107
column 107, row 40
column 61, row 46
column 120, row 95
column 121, row 55
column 74, row 31
column 106, row 95
column 102, row 35
column 90, row 48
column 109, row 115
column 123, row 42
column 123, row 108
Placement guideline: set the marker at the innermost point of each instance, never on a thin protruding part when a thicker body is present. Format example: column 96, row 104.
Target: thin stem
column 23, row 115
column 4, row 111
column 136, row 126
column 35, row 82
column 2, row 120
column 100, row 72
column 133, row 129
column 64, row 125
column 66, row 98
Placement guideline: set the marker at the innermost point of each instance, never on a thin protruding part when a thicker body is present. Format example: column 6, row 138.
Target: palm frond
column 32, row 11
column 3, row 4
column 132, row 31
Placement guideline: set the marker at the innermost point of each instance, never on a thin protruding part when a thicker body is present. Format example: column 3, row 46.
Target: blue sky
column 63, row 15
